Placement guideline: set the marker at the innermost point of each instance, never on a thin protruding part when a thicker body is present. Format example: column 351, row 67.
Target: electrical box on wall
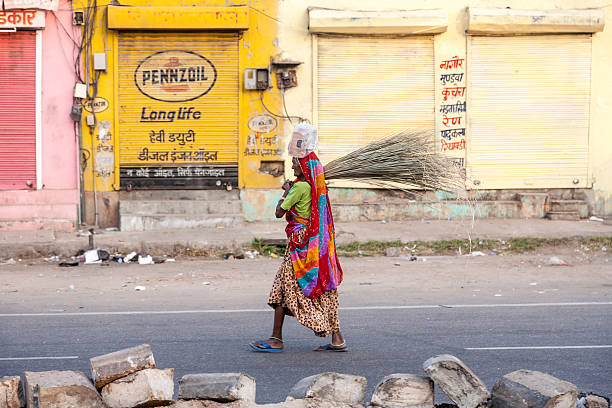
column 78, row 18
column 257, row 78
column 100, row 61
column 286, row 79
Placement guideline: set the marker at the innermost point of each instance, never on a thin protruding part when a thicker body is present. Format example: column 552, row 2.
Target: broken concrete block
column 223, row 387
column 456, row 380
column 525, row 388
column 111, row 366
column 11, row 392
column 60, row 389
column 214, row 404
column 405, row 391
column 342, row 388
column 596, row 401
column 146, row 388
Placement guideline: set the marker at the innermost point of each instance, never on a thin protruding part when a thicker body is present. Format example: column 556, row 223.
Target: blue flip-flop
column 266, row 348
column 329, row 347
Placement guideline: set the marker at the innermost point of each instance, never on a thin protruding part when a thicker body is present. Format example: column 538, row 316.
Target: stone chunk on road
column 404, row 391
column 61, row 389
column 534, row 389
column 595, row 401
column 111, row 366
column 145, row 388
column 342, row 388
column 456, row 380
column 222, row 387
column 11, row 393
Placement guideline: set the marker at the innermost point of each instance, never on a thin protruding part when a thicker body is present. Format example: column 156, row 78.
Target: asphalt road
column 382, row 342
column 498, row 314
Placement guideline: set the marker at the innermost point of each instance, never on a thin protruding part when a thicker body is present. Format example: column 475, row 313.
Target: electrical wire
column 301, row 119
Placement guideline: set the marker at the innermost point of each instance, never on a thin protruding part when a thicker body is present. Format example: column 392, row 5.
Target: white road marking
column 39, row 358
column 399, row 307
column 540, row 347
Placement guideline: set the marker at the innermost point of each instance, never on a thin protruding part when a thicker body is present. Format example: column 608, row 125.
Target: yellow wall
column 257, row 46
column 296, row 42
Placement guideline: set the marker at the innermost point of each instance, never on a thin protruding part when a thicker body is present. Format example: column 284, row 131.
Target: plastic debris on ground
column 53, row 258
column 91, row 257
column 251, row 254
column 71, row 287
column 145, row 260
column 273, row 255
column 128, row 258
column 206, row 283
column 594, row 218
column 139, row 288
column 68, row 264
column 556, row 261
column 476, row 253
column 10, row 261
column 112, row 229
column 604, row 249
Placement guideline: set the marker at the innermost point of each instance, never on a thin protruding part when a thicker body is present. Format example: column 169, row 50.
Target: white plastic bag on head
column 303, row 140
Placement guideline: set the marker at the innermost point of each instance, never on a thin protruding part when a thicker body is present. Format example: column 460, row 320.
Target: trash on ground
column 112, row 229
column 383, row 222
column 53, row 258
column 129, row 257
column 360, row 252
column 206, row 283
column 424, row 259
column 251, row 254
column 91, row 257
column 145, row 260
column 533, row 283
column 604, row 249
column 10, row 261
column 497, row 294
column 594, row 218
column 123, row 285
column 476, row 253
column 71, row 287
column 273, row 255
column 68, row 264
column 556, row 261
column 139, row 288
column 397, row 264
column 170, row 260
column 220, row 227
column 83, row 233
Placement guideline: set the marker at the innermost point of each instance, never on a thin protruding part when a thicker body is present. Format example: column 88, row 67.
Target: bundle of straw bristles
column 406, row 160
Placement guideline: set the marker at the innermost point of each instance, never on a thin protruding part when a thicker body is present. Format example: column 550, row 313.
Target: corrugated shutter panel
column 18, row 110
column 216, row 130
column 371, row 87
column 528, row 111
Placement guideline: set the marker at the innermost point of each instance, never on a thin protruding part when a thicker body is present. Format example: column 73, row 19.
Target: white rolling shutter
column 367, row 88
column 528, row 111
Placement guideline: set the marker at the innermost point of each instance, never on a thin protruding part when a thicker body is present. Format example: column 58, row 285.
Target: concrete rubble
column 11, row 392
column 145, row 388
column 457, row 381
column 109, row 367
column 60, row 389
column 137, row 383
column 596, row 401
column 222, row 387
column 338, row 388
column 533, row 389
column 404, row 391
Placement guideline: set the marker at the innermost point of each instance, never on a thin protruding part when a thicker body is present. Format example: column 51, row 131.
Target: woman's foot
column 273, row 344
column 332, row 347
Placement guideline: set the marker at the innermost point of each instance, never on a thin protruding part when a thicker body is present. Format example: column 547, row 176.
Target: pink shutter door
column 18, row 110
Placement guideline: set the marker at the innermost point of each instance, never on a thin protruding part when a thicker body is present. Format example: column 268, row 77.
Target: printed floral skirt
column 320, row 314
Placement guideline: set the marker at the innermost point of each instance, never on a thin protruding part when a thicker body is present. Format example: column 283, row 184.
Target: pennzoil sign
column 175, row 76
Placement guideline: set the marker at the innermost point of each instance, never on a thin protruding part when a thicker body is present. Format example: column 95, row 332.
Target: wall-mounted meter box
column 257, row 78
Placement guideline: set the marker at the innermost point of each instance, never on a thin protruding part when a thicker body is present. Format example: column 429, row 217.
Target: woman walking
column 306, row 284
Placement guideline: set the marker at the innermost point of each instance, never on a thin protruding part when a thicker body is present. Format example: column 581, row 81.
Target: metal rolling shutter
column 215, row 130
column 18, row 110
column 528, row 111
column 371, row 87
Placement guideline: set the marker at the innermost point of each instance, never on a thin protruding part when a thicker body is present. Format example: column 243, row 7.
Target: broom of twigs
column 406, row 161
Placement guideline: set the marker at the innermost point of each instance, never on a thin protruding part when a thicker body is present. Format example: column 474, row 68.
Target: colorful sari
column 313, row 256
